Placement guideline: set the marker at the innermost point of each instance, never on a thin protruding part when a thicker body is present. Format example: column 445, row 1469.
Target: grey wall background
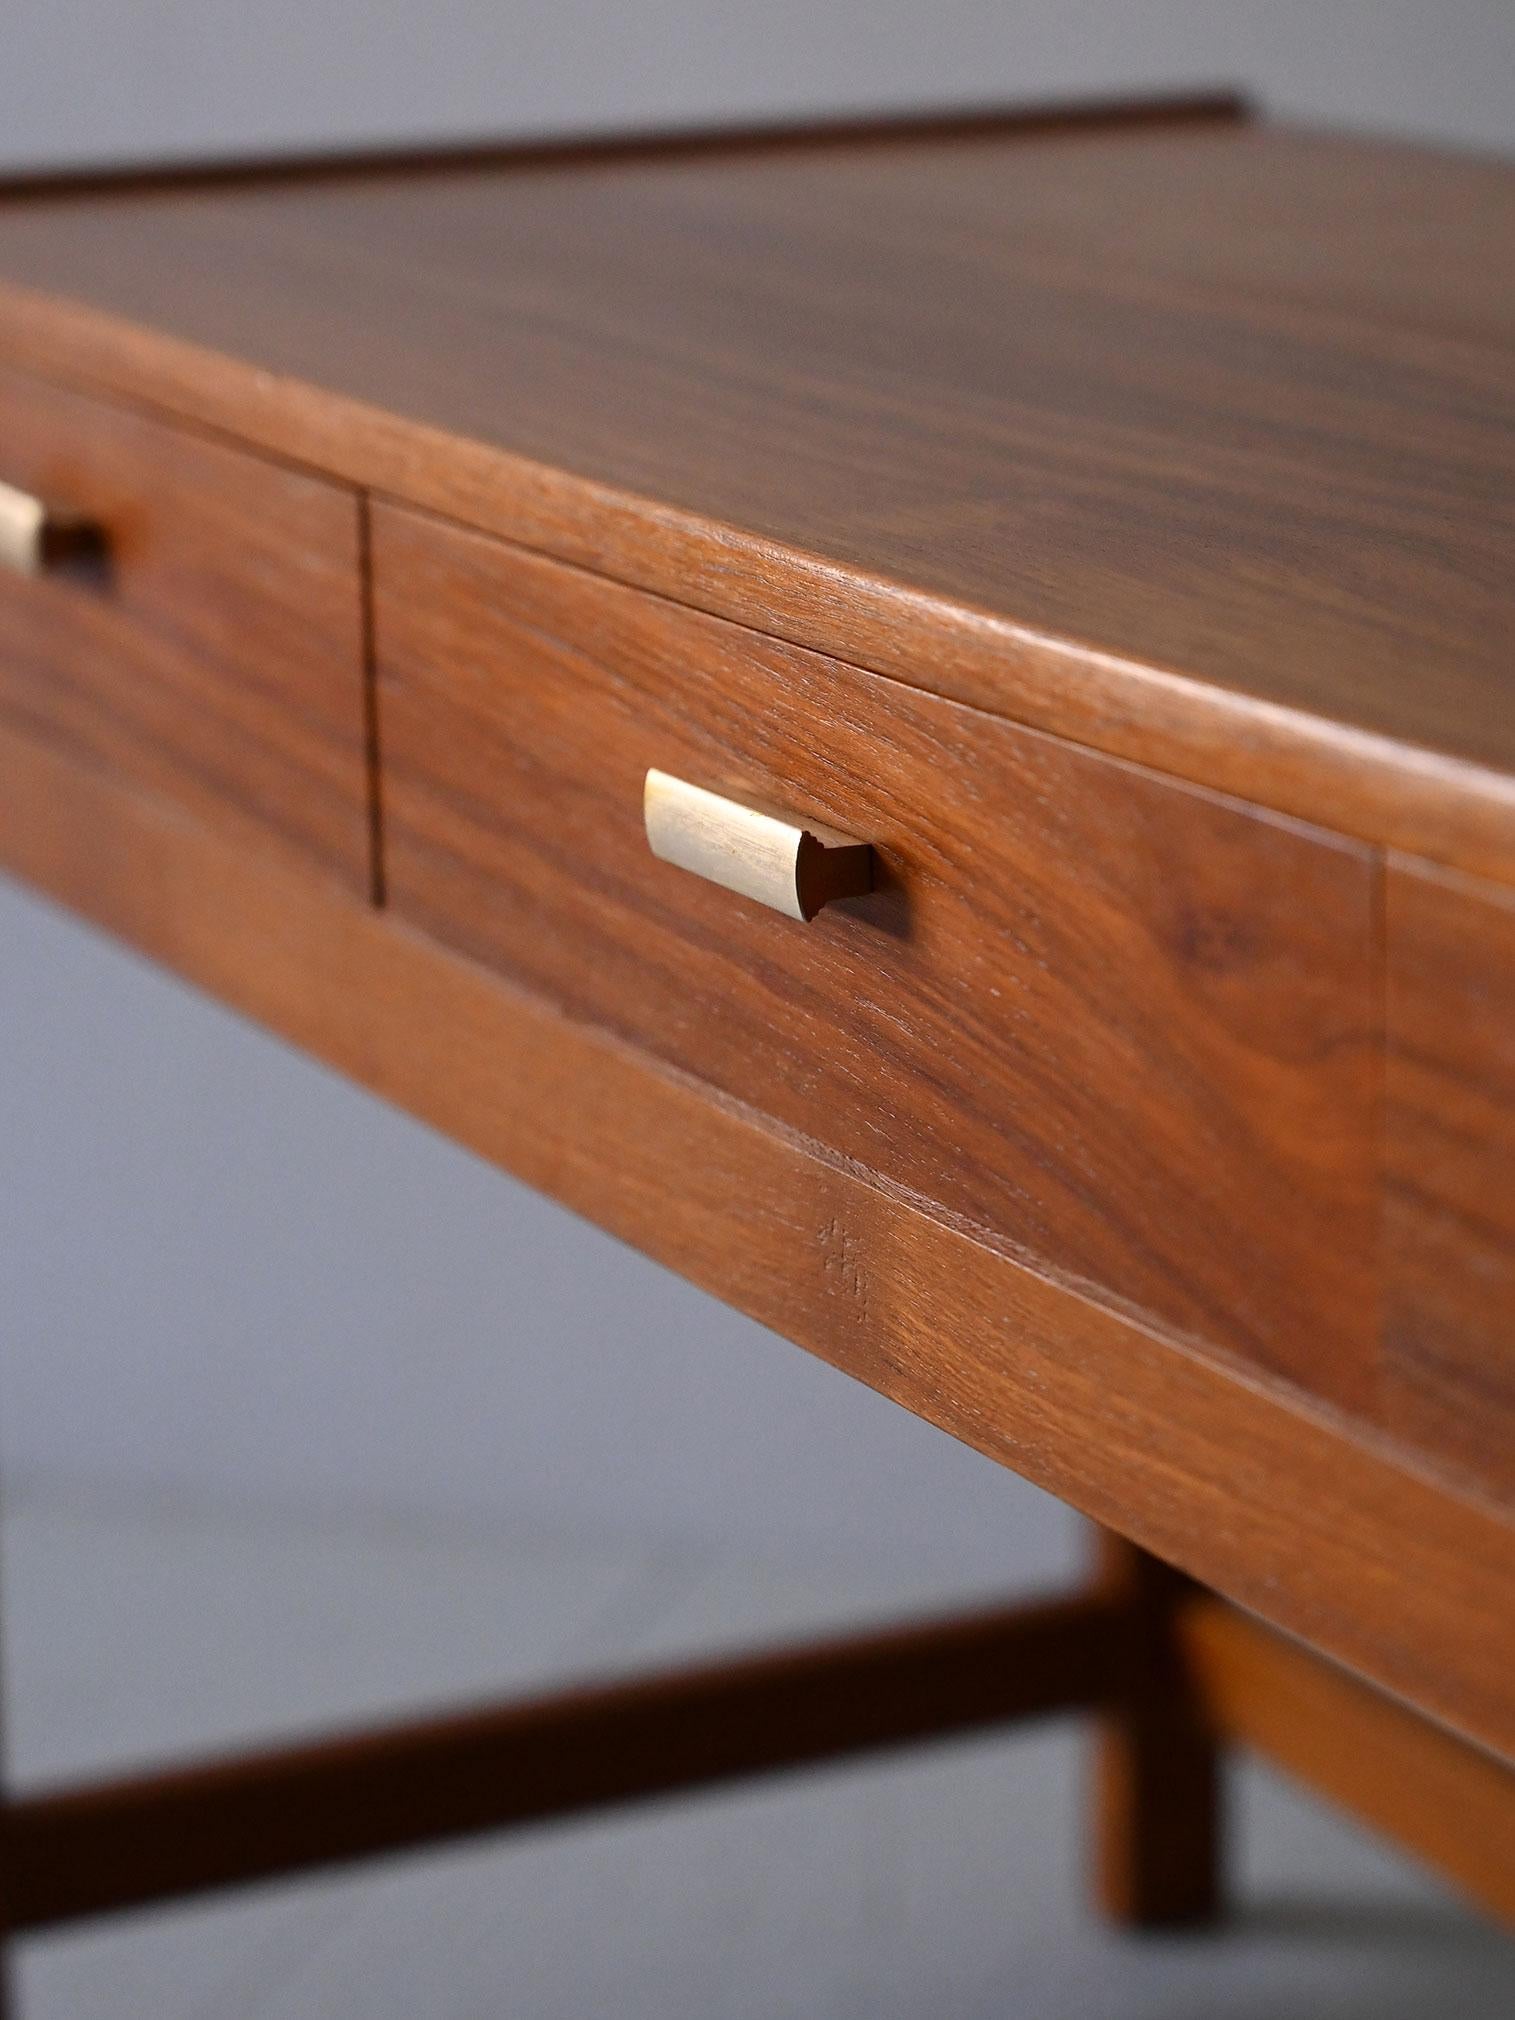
column 220, row 1269
column 121, row 78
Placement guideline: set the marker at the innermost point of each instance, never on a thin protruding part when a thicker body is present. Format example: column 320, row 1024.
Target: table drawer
column 1124, row 1027
column 211, row 649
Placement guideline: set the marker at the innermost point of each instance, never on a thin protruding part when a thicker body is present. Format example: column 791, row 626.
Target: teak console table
column 920, row 721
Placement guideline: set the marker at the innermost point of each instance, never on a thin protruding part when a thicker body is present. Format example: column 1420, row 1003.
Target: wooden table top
column 1188, row 438
column 1111, row 515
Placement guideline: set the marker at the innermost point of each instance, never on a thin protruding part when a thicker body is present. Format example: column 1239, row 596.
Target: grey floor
column 945, row 1882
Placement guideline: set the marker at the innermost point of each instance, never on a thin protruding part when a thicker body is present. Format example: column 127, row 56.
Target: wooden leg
column 1157, row 1795
column 7, row 1889
column 7, row 1990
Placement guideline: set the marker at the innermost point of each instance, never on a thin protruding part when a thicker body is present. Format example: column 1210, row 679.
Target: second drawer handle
column 36, row 538
column 781, row 860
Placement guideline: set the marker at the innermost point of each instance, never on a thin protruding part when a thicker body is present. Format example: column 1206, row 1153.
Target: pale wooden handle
column 36, row 537
column 781, row 860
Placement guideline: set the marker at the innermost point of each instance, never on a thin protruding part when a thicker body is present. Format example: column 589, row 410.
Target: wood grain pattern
column 1279, row 1505
column 1124, row 1027
column 118, row 1844
column 1190, row 443
column 1451, row 1804
column 1157, row 1811
column 1449, row 1212
column 219, row 659
column 1187, row 444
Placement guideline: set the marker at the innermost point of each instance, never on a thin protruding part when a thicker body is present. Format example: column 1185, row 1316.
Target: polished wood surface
column 216, row 655
column 1128, row 1029
column 1279, row 1504
column 1449, row 1215
column 1108, row 522
column 1189, row 442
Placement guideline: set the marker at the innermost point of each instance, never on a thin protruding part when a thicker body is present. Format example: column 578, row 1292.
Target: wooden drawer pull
column 36, row 538
column 782, row 861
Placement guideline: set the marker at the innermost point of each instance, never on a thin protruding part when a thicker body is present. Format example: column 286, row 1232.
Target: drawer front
column 1449, row 1347
column 1124, row 1027
column 214, row 652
